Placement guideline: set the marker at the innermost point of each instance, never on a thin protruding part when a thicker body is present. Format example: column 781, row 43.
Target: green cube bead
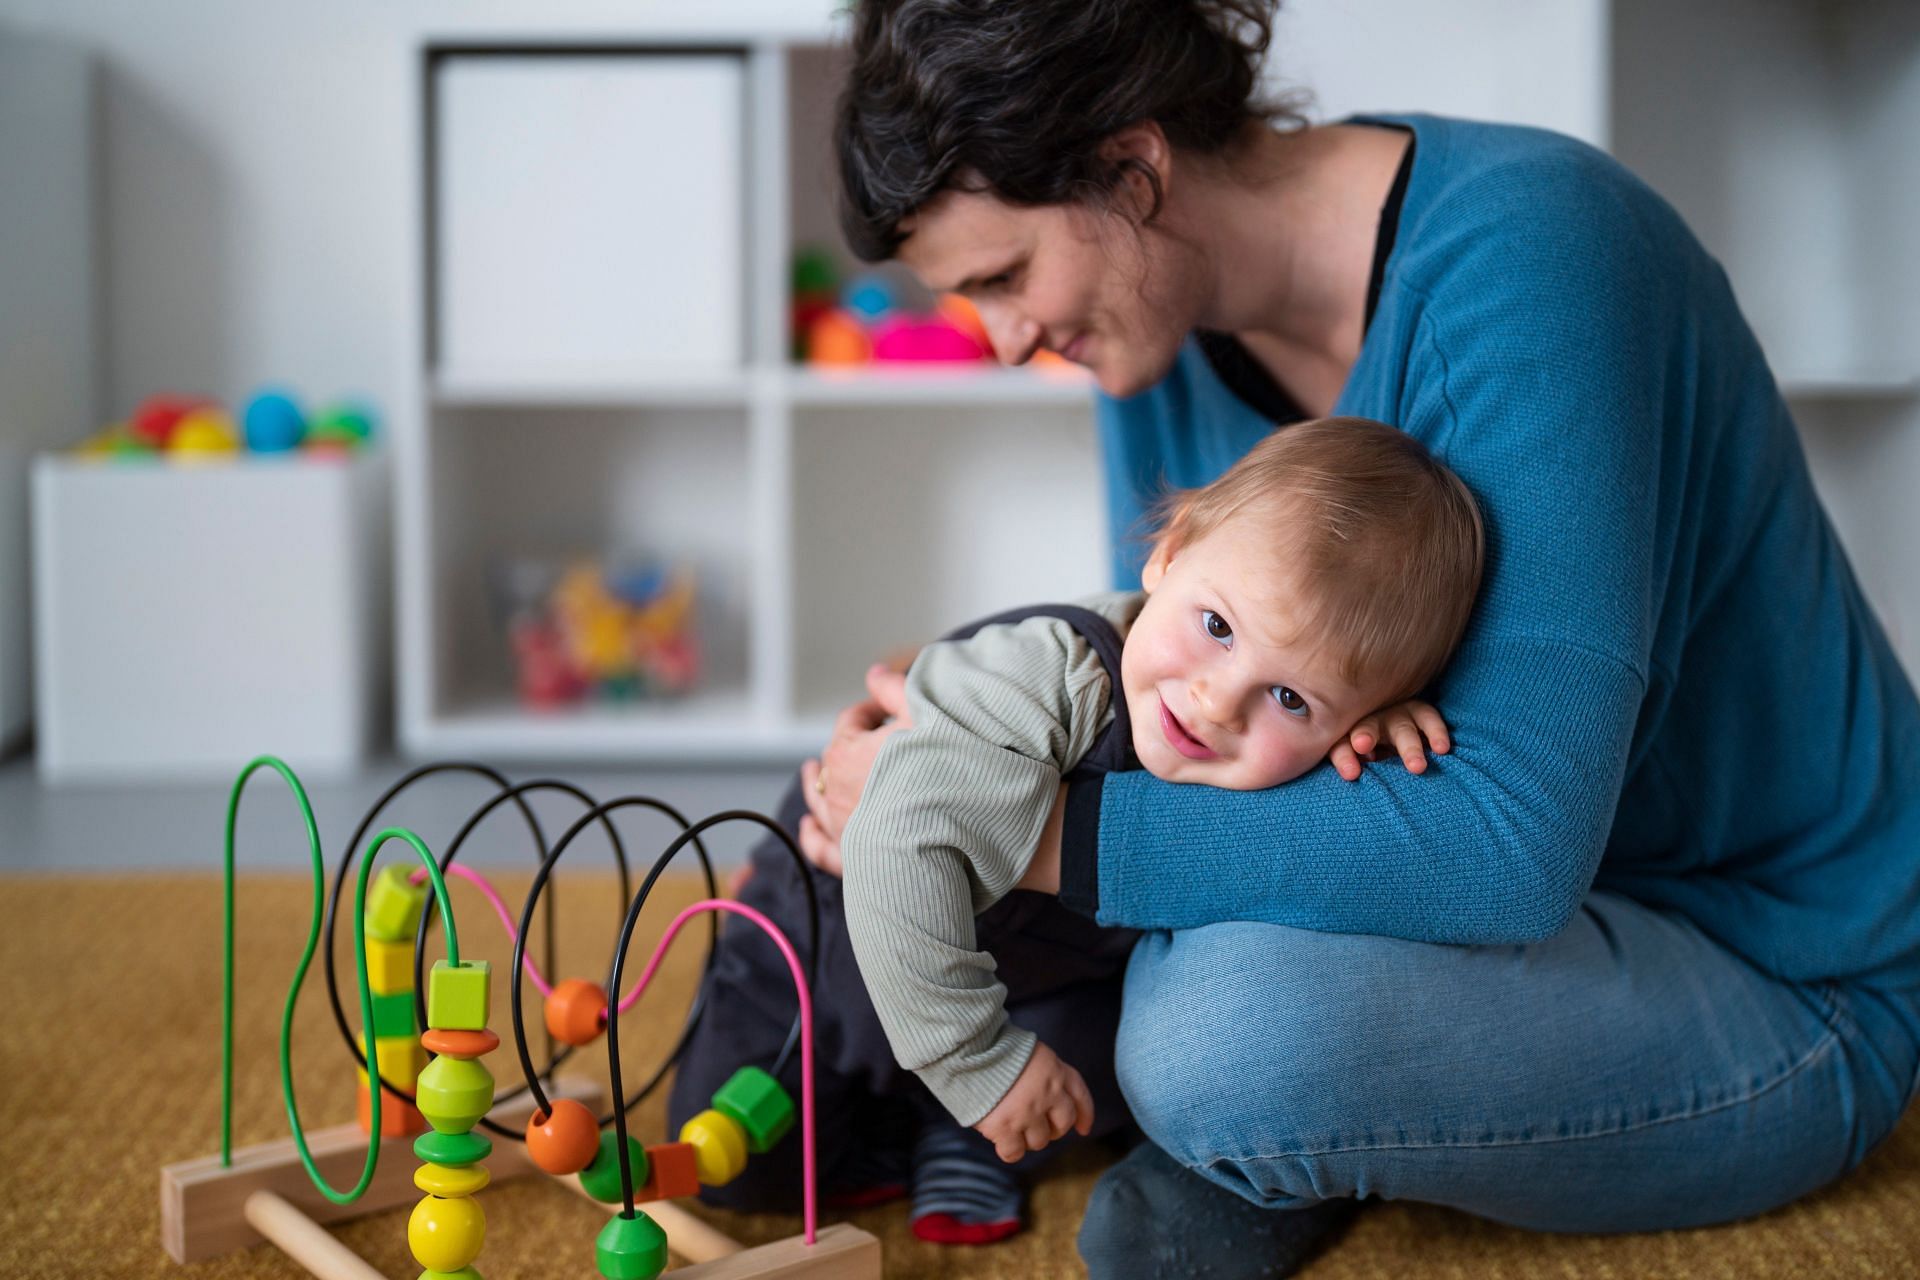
column 755, row 1101
column 601, row 1179
column 630, row 1248
column 457, row 999
column 394, row 905
column 393, row 1014
column 454, row 1150
column 453, row 1093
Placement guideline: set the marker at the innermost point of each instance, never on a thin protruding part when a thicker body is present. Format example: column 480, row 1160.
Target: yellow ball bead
column 446, row 1235
column 719, row 1147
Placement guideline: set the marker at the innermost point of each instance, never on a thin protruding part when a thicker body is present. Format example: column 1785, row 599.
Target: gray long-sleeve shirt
column 951, row 815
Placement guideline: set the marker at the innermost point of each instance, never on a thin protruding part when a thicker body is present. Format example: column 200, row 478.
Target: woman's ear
column 1139, row 149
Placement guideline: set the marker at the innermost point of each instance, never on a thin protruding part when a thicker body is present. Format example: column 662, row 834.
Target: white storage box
column 190, row 617
column 589, row 214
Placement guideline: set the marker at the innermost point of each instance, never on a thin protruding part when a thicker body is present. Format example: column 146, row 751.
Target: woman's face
column 1087, row 285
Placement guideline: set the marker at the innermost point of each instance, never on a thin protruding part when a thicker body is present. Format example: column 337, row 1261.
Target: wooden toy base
column 265, row 1195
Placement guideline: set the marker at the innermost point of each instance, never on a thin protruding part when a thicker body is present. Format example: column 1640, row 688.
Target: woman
column 1643, row 950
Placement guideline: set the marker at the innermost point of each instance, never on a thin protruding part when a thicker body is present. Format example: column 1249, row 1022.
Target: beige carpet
column 110, row 994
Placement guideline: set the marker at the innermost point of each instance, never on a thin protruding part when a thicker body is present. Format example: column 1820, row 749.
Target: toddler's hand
column 1404, row 725
column 1048, row 1099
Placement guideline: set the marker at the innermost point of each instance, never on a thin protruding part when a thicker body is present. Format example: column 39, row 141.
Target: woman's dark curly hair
column 1016, row 96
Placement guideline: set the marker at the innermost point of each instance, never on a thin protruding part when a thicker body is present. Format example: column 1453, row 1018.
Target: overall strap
column 1112, row 751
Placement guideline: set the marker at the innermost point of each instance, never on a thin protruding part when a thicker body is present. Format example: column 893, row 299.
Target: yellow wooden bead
column 451, row 1183
column 446, row 1235
column 719, row 1147
column 400, row 1058
column 389, row 966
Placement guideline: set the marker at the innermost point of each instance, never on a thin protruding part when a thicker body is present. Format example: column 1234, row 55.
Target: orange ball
column 565, row 1142
column 576, row 1012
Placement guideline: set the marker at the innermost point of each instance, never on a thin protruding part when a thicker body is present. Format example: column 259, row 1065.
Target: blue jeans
column 1627, row 1074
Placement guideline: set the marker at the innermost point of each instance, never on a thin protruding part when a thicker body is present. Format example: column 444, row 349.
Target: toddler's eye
column 1216, row 626
column 1289, row 701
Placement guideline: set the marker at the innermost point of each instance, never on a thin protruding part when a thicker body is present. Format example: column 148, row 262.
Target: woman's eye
column 1289, row 701
column 1216, row 626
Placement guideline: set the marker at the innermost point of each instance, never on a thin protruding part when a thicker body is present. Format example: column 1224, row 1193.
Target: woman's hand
column 1407, row 730
column 833, row 783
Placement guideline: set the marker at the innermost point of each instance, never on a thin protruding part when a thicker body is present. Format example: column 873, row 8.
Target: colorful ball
column 576, row 1012
column 630, row 1248
column 347, row 420
column 925, row 341
column 446, row 1235
column 601, row 1179
column 154, row 421
column 274, row 423
column 207, row 430
column 869, row 296
column 837, row 338
column 564, row 1142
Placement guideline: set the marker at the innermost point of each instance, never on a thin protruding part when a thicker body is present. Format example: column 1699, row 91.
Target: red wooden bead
column 459, row 1044
column 672, row 1173
column 564, row 1142
column 398, row 1117
column 576, row 1012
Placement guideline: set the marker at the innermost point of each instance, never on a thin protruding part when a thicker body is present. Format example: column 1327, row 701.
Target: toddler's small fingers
column 1082, row 1105
column 1434, row 725
column 1344, row 762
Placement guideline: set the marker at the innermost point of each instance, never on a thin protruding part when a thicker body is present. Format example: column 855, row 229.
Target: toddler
column 1327, row 575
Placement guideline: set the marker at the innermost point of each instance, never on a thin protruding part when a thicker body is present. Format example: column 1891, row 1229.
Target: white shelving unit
column 838, row 516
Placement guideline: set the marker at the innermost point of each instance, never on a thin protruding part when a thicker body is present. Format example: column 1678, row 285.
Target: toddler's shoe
column 962, row 1192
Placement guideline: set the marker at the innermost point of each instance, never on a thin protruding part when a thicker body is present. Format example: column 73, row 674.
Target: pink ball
column 925, row 341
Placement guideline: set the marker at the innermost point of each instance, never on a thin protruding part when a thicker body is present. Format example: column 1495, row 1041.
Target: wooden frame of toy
column 429, row 1091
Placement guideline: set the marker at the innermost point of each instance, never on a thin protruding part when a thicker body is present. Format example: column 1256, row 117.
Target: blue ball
column 274, row 423
column 869, row 297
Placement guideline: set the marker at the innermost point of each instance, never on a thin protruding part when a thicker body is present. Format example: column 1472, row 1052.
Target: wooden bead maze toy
column 431, row 1090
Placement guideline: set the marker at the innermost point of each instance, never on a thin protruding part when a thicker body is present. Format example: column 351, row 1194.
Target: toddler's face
column 1217, row 693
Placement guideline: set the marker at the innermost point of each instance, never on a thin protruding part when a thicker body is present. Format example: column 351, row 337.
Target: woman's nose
column 1013, row 335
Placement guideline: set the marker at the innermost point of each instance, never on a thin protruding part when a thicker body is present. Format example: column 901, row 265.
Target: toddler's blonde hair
column 1382, row 542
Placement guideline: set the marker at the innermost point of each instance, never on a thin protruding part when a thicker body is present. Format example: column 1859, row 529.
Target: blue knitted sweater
column 1671, row 687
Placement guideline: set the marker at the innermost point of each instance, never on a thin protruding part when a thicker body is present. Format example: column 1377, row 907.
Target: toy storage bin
column 190, row 617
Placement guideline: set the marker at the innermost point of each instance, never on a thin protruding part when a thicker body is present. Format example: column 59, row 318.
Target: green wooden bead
column 453, row 1093
column 457, row 999
column 464, row 1273
column 394, row 905
column 452, row 1149
column 601, row 1179
column 630, row 1248
column 393, row 1014
column 755, row 1100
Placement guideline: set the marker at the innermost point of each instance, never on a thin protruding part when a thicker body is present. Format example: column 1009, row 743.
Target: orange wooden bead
column 398, row 1117
column 576, row 1012
column 459, row 1044
column 672, row 1173
column 564, row 1142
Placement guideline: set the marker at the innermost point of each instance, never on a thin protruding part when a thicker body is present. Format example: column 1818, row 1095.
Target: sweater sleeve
column 1539, row 370
column 945, row 827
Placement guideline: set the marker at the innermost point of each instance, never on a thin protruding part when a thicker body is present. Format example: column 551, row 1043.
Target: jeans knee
column 1243, row 1040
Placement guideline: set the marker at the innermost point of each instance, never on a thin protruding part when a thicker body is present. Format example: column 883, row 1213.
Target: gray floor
column 180, row 826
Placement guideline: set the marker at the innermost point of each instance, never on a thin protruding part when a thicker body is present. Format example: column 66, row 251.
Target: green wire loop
column 300, row 976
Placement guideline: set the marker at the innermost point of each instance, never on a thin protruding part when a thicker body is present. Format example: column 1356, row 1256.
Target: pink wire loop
column 806, row 1021
column 487, row 891
column 653, row 963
